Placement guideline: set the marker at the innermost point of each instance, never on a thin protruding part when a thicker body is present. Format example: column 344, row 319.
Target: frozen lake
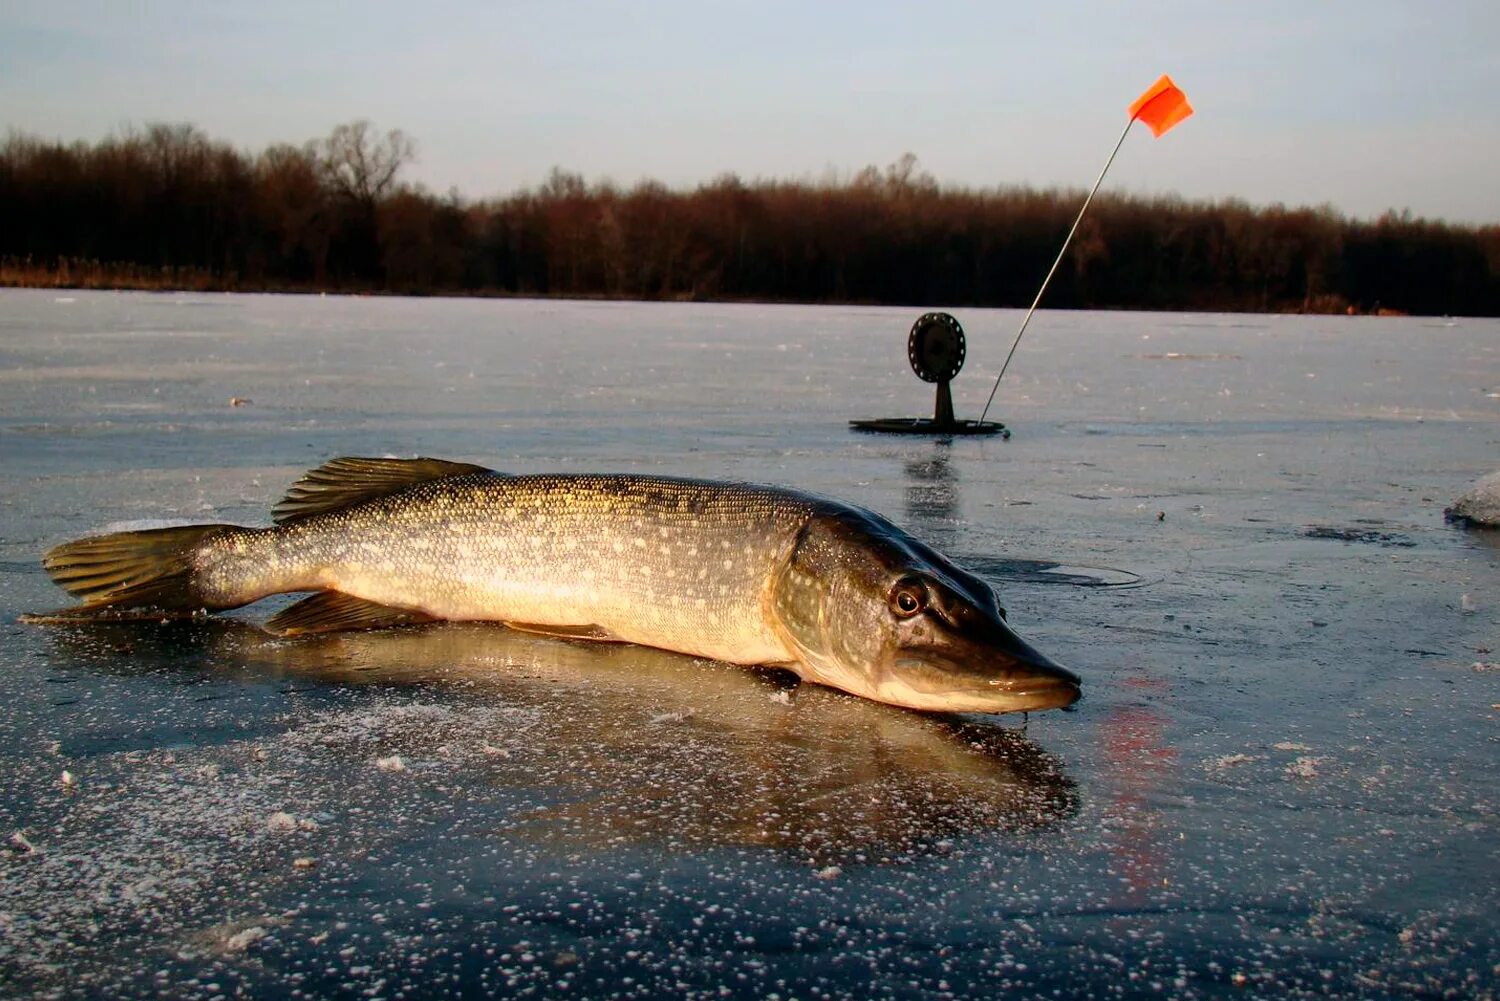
column 1282, row 778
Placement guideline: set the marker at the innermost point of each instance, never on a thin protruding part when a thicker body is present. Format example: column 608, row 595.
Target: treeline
column 168, row 207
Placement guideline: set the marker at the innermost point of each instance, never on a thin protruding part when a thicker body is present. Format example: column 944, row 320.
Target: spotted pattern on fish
column 655, row 560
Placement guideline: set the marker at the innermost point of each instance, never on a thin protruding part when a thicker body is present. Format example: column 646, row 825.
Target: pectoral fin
column 334, row 611
column 596, row 633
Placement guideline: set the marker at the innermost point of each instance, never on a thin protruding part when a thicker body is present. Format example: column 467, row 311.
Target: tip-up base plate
column 926, row 425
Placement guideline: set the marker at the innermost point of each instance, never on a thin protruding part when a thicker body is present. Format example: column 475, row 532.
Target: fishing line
column 1162, row 106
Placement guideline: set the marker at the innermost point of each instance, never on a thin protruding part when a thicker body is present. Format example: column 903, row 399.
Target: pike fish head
column 872, row 611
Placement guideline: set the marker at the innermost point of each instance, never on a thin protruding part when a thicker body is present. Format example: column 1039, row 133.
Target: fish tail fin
column 147, row 571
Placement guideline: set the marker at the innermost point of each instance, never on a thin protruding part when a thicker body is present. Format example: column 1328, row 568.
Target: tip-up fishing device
column 936, row 344
column 936, row 348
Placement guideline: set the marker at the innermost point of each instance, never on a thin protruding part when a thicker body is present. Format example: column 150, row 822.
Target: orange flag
column 1161, row 106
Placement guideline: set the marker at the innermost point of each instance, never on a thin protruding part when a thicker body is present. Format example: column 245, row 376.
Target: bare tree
column 903, row 179
column 359, row 164
column 292, row 205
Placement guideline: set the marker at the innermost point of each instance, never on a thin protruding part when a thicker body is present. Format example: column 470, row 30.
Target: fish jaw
column 957, row 676
column 1041, row 695
column 983, row 679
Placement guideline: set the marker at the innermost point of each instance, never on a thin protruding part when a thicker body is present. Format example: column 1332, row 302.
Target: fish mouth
column 1047, row 693
column 1018, row 679
column 1041, row 680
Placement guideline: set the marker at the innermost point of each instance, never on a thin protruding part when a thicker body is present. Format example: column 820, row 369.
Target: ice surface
column 1281, row 778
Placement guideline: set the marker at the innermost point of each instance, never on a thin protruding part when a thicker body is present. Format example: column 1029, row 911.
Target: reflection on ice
column 642, row 744
column 932, row 493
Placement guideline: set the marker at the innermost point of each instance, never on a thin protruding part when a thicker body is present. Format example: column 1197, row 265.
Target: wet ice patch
column 1025, row 571
column 1368, row 536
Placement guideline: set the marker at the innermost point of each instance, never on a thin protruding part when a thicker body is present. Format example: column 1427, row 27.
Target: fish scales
column 652, row 560
column 734, row 572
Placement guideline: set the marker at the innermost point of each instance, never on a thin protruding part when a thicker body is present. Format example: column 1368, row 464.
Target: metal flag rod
column 1053, row 270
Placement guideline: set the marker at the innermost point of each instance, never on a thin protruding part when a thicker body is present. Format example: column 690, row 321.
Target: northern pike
column 733, row 572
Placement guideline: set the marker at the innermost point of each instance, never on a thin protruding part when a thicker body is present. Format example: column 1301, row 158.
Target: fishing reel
column 935, row 347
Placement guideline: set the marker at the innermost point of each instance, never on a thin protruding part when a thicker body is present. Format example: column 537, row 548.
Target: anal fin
column 334, row 611
column 587, row 632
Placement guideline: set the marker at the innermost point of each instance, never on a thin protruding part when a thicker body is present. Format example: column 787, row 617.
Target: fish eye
column 908, row 598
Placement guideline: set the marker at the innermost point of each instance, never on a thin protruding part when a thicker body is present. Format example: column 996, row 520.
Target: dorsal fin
column 342, row 482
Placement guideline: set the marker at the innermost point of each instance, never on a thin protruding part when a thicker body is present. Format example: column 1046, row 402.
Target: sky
column 1365, row 107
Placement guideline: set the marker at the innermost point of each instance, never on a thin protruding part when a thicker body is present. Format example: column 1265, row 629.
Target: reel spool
column 935, row 347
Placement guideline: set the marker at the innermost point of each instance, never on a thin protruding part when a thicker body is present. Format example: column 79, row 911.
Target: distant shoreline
column 168, row 208
column 93, row 277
